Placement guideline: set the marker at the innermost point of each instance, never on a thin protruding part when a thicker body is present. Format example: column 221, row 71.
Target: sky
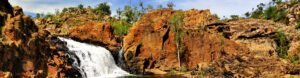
column 219, row 7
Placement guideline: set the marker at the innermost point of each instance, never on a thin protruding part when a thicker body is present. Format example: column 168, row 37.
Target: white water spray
column 94, row 61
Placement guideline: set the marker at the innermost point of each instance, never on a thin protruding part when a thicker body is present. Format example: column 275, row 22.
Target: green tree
column 119, row 12
column 277, row 2
column 89, row 7
column 215, row 15
column 48, row 15
column 170, row 5
column 149, row 8
column 42, row 15
column 258, row 13
column 80, row 6
column 160, row 6
column 57, row 12
column 103, row 9
column 142, row 6
column 176, row 23
column 247, row 14
column 282, row 44
column 235, row 17
column 271, row 11
column 64, row 10
column 131, row 14
column 38, row 15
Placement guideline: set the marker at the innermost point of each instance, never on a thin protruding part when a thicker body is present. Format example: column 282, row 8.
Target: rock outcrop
column 151, row 43
column 60, row 23
column 260, row 37
column 204, row 45
column 26, row 51
column 96, row 33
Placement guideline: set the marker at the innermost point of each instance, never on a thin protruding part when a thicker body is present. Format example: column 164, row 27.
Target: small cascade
column 93, row 61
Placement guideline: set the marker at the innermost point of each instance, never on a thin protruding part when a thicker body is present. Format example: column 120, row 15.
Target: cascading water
column 93, row 61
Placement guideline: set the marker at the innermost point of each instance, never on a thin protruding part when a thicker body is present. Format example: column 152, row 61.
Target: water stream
column 93, row 61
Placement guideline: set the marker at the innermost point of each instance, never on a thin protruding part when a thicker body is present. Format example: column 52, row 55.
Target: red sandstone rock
column 151, row 42
column 96, row 33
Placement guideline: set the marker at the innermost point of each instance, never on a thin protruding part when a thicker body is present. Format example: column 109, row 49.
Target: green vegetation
column 298, row 25
column 38, row 15
column 103, row 9
column 130, row 14
column 57, row 21
column 235, row 17
column 247, row 14
column 170, row 5
column 258, row 13
column 176, row 25
column 121, row 23
column 80, row 6
column 222, row 44
column 271, row 12
column 181, row 69
column 120, row 27
column 295, row 59
column 64, row 31
column 282, row 44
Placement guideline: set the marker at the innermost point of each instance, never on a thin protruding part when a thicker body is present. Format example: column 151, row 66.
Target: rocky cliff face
column 204, row 45
column 96, row 33
column 81, row 24
column 152, row 43
column 26, row 51
column 260, row 37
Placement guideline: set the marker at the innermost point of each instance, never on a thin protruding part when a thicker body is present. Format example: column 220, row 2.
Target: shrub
column 64, row 31
column 295, row 59
column 282, row 44
column 57, row 21
column 298, row 25
column 120, row 27
column 247, row 14
column 270, row 12
column 235, row 17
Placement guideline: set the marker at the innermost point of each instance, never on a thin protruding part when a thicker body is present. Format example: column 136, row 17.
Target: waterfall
column 93, row 61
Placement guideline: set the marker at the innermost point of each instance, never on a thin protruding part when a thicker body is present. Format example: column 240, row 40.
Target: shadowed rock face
column 5, row 9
